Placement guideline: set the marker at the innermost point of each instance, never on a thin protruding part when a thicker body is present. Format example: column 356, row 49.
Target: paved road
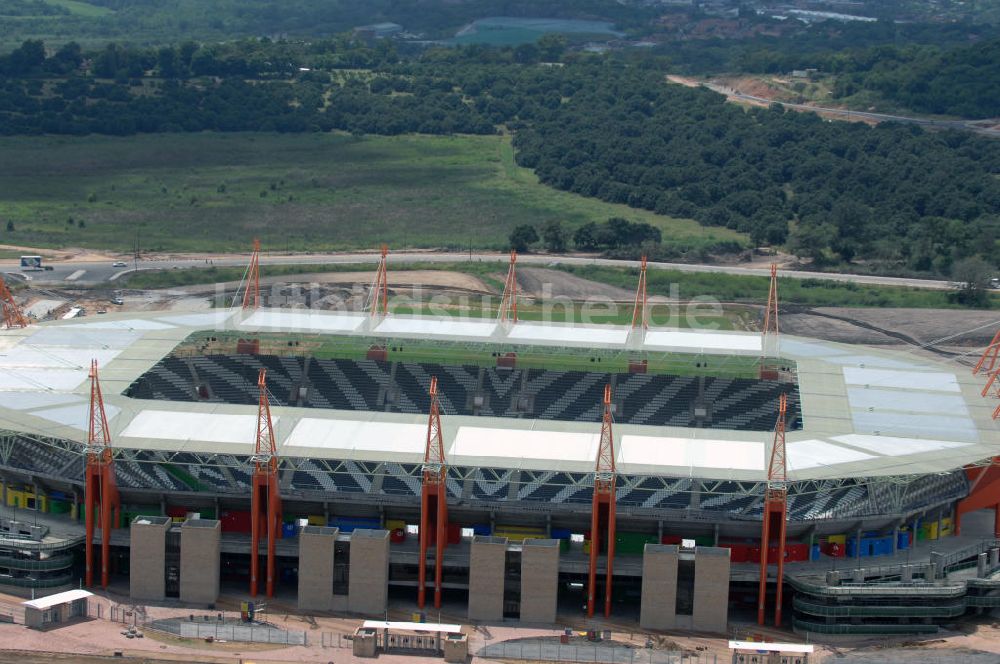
column 966, row 125
column 85, row 273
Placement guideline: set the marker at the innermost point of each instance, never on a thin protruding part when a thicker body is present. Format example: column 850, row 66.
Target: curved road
column 967, row 125
column 90, row 273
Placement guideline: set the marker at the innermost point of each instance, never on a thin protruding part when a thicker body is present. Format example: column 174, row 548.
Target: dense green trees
column 889, row 195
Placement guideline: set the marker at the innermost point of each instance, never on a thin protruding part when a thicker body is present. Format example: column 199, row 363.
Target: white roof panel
column 59, row 598
column 127, row 324
column 906, row 401
column 208, row 427
column 570, row 334
column 31, row 379
column 687, row 452
column 483, row 442
column 691, row 340
column 812, row 453
column 56, row 357
column 315, row 321
column 934, row 381
column 889, row 446
column 424, row 326
column 359, row 435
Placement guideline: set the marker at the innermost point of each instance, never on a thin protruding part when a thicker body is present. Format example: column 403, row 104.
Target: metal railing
column 837, row 628
column 897, row 589
column 893, row 610
column 55, row 562
column 44, row 582
column 968, row 552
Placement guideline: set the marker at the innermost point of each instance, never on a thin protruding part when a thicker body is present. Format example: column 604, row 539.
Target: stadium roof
column 865, row 411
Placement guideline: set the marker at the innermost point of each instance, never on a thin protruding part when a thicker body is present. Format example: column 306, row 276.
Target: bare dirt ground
column 541, row 282
column 950, row 333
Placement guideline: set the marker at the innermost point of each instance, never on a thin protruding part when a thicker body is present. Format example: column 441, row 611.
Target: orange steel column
column 100, row 492
column 640, row 315
column 265, row 499
column 602, row 510
column 774, row 517
column 508, row 301
column 12, row 314
column 433, row 501
column 251, row 295
column 380, row 289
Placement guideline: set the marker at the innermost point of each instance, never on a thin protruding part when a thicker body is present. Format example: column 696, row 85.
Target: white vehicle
column 32, row 263
column 119, row 264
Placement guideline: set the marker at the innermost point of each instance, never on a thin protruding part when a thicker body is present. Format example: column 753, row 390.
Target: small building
column 430, row 639
column 54, row 609
column 753, row 652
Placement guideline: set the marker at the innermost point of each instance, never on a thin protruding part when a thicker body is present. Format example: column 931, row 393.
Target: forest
column 890, row 195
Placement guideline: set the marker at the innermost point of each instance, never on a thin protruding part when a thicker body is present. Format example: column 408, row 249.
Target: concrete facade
column 316, row 555
column 487, row 567
column 539, row 580
column 201, row 541
column 658, row 608
column 147, row 558
column 368, row 577
column 711, row 589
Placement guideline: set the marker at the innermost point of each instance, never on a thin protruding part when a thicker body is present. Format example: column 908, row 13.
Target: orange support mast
column 770, row 314
column 102, row 503
column 508, row 302
column 265, row 502
column 775, row 516
column 433, row 503
column 984, row 488
column 12, row 314
column 603, row 509
column 989, row 364
column 640, row 312
column 251, row 294
column 380, row 288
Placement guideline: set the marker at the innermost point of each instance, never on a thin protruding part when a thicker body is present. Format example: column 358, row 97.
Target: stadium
column 882, row 448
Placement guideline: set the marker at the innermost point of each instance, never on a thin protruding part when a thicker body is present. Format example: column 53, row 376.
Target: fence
column 558, row 652
column 244, row 632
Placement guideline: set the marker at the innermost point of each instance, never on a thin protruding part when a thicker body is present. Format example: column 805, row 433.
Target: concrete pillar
column 982, row 564
column 147, row 576
column 895, row 539
column 487, row 569
column 857, row 544
column 316, row 552
column 659, row 531
column 539, row 580
column 659, row 587
column 907, row 574
column 710, row 609
column 994, row 558
column 201, row 542
column 715, row 535
column 368, row 576
column 937, row 564
column 833, row 578
column 858, row 575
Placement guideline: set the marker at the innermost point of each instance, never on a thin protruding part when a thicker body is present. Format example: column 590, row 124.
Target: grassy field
column 81, row 8
column 212, row 192
column 476, row 354
column 753, row 290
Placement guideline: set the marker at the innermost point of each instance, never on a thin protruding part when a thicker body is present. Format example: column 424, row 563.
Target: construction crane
column 265, row 501
column 603, row 510
column 775, row 516
column 640, row 312
column 251, row 292
column 380, row 287
column 101, row 499
column 433, row 502
column 508, row 302
column 12, row 314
